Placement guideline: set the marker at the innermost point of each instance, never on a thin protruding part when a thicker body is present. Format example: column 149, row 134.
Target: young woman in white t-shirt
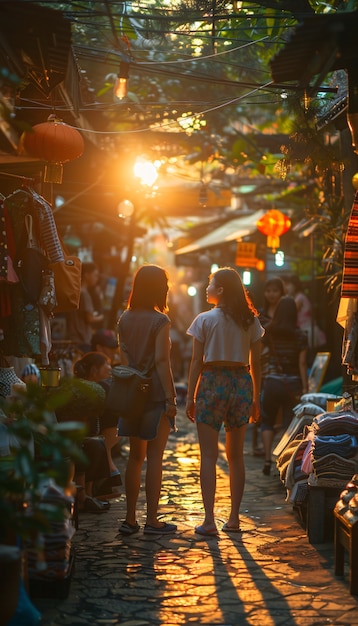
column 224, row 387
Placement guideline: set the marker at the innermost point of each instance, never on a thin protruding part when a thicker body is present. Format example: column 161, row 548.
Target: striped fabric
column 350, row 260
column 48, row 231
column 27, row 200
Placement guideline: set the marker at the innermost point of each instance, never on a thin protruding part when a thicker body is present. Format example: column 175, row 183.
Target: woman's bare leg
column 235, row 455
column 155, row 450
column 137, row 453
column 208, row 441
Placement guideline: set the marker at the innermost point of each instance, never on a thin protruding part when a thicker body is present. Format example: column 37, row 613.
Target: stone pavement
column 271, row 575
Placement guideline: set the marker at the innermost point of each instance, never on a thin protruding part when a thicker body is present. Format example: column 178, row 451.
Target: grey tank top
column 137, row 330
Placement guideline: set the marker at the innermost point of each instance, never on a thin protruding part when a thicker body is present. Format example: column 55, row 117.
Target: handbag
column 67, row 278
column 128, row 392
column 30, row 264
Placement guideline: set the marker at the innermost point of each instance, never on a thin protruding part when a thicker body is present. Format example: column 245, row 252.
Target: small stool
column 346, row 538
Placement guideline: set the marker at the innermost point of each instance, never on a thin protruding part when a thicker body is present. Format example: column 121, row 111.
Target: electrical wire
column 208, row 56
column 171, row 122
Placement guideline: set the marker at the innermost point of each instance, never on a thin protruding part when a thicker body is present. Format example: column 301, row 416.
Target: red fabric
column 350, row 260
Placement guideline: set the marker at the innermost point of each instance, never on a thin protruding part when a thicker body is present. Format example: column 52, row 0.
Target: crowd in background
column 289, row 330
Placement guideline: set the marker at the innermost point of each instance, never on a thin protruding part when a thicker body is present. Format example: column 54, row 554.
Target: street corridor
column 268, row 576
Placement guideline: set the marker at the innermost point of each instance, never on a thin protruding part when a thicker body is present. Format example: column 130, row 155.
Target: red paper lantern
column 54, row 142
column 273, row 224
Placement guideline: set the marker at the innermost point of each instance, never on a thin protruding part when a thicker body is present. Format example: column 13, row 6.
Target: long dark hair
column 273, row 282
column 150, row 289
column 235, row 300
column 284, row 321
column 83, row 366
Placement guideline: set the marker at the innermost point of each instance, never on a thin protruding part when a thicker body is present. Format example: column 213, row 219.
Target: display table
column 346, row 533
column 346, row 538
column 320, row 506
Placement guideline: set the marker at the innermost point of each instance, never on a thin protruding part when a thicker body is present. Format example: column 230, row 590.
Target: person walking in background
column 143, row 330
column 224, row 387
column 274, row 289
column 305, row 320
column 286, row 375
column 81, row 323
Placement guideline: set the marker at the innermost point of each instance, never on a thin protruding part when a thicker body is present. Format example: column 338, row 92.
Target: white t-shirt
column 223, row 339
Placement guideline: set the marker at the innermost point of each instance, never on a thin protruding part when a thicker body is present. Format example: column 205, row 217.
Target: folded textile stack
column 319, row 398
column 319, row 448
column 303, row 416
column 334, row 449
column 344, row 445
column 336, row 423
column 332, row 471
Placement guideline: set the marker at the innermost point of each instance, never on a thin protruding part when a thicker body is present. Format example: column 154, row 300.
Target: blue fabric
column 26, row 614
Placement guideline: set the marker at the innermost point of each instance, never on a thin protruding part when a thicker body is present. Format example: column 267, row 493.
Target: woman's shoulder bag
column 128, row 392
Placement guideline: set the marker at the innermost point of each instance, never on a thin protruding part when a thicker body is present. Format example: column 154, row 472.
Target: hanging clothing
column 27, row 201
column 27, row 329
column 49, row 239
column 350, row 259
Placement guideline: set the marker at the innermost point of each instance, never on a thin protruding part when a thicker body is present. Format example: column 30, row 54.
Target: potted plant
column 34, row 449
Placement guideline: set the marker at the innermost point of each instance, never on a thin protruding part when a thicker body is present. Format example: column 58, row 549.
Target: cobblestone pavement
column 271, row 575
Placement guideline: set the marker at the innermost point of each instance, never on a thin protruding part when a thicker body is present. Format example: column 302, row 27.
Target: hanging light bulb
column 120, row 89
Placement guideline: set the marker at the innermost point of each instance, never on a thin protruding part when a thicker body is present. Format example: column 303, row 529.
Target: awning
column 320, row 44
column 234, row 229
column 35, row 43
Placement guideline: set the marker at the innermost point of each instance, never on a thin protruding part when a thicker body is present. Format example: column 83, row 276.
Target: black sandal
column 129, row 529
column 91, row 505
column 267, row 468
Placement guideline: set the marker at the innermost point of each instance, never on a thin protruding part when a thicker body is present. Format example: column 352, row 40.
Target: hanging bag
column 67, row 277
column 128, row 393
column 30, row 264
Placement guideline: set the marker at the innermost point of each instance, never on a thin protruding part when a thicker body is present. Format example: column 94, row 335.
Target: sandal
column 91, row 505
column 267, row 468
column 107, row 486
column 129, row 529
column 231, row 529
column 206, row 532
column 164, row 529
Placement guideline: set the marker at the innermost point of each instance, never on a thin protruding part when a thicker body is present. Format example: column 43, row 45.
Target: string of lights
column 107, row 17
column 170, row 123
column 103, row 57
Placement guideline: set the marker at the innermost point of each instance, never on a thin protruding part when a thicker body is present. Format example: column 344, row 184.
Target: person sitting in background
column 106, row 342
column 31, row 374
column 96, row 367
column 85, row 403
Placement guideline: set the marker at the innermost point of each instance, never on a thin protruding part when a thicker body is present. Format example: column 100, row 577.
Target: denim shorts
column 279, row 392
column 224, row 396
column 145, row 426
